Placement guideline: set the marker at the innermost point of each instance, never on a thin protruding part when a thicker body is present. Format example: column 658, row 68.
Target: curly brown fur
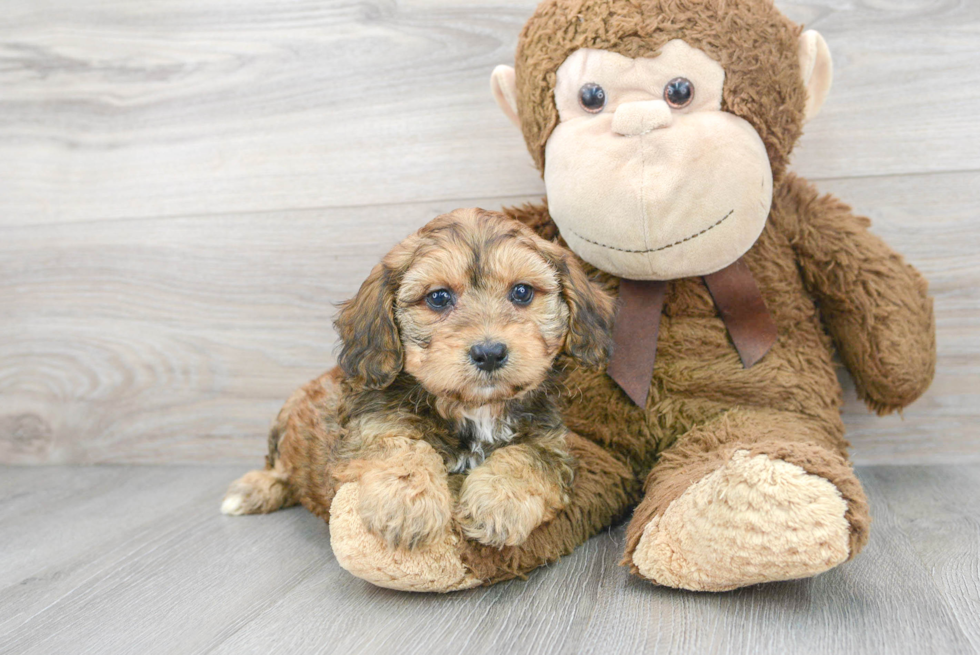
column 410, row 406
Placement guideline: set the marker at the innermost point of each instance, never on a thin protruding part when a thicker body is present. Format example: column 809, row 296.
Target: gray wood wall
column 186, row 186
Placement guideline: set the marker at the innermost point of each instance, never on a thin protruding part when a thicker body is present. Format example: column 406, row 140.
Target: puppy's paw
column 405, row 502
column 500, row 511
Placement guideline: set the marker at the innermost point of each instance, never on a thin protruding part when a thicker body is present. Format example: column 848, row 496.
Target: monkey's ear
column 817, row 68
column 371, row 350
column 503, row 83
column 591, row 314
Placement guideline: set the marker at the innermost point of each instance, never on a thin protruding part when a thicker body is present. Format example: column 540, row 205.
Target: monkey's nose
column 636, row 118
column 489, row 356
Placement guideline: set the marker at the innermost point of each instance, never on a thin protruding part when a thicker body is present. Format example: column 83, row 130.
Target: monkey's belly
column 699, row 376
column 696, row 358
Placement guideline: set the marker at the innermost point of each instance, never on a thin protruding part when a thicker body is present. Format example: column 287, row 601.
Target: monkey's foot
column 437, row 566
column 753, row 520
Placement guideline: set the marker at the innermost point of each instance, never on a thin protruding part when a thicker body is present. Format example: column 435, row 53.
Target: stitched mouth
column 650, row 250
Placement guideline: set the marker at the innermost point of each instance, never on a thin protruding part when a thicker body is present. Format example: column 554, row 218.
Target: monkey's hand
column 875, row 306
column 504, row 499
column 405, row 498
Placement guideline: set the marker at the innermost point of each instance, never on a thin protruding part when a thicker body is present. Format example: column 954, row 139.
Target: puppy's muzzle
column 489, row 356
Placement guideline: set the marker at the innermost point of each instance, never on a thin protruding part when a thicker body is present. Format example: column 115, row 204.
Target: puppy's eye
column 439, row 299
column 679, row 92
column 592, row 97
column 521, row 294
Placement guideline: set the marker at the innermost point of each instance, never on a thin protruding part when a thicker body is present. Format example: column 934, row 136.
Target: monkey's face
column 647, row 177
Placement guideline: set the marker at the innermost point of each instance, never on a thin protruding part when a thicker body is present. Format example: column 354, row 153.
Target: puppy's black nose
column 489, row 356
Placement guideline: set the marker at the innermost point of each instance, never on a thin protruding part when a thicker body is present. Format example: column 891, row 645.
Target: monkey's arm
column 875, row 306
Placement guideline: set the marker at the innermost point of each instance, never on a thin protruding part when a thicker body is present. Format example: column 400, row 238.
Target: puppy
column 445, row 404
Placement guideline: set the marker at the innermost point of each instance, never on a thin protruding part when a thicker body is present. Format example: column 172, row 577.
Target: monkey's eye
column 679, row 92
column 521, row 294
column 439, row 299
column 592, row 97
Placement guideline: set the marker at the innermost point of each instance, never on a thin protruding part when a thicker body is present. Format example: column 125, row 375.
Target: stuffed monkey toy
column 663, row 130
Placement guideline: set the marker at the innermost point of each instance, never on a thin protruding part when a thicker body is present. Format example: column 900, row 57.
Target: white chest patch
column 487, row 429
column 484, row 429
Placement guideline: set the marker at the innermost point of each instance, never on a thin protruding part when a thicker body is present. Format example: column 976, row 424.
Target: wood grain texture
column 115, row 109
column 138, row 559
column 177, row 339
column 174, row 339
column 187, row 187
column 939, row 509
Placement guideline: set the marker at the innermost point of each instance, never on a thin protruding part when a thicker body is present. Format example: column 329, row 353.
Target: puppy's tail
column 261, row 492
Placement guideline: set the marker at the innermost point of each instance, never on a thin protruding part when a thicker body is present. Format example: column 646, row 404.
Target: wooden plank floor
column 187, row 186
column 126, row 559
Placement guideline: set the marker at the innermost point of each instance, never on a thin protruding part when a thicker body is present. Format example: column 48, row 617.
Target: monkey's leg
column 603, row 489
column 297, row 468
column 753, row 496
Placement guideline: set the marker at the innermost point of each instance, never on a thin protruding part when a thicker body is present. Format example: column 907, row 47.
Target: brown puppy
column 450, row 365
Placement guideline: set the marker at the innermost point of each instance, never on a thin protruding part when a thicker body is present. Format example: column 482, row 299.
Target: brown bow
column 739, row 303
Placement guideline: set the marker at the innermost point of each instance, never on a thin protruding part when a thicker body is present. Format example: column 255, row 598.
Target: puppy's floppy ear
column 372, row 348
column 591, row 312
